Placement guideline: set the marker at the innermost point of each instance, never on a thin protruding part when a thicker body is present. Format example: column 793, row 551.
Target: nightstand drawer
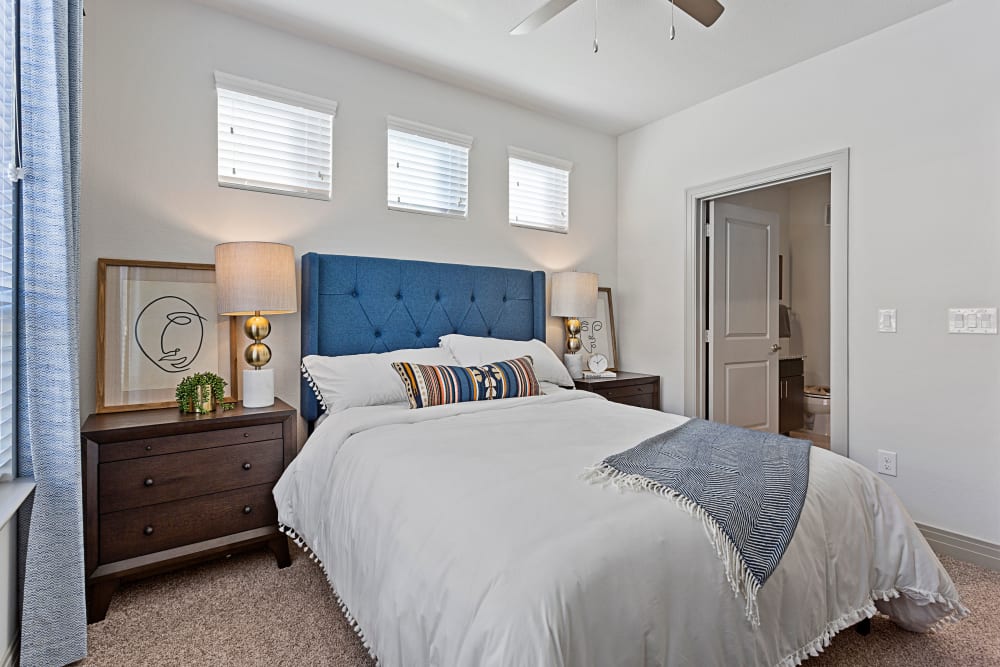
column 159, row 479
column 146, row 530
column 171, row 444
column 639, row 401
column 618, row 393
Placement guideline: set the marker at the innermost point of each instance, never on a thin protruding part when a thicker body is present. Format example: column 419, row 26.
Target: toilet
column 817, row 409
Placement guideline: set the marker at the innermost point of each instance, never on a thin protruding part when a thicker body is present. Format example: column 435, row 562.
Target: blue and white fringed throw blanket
column 746, row 486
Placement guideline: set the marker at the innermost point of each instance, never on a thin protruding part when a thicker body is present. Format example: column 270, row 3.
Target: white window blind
column 8, row 211
column 273, row 139
column 428, row 169
column 539, row 190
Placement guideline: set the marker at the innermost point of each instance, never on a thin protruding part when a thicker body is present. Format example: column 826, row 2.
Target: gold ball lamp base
column 258, row 384
column 573, row 343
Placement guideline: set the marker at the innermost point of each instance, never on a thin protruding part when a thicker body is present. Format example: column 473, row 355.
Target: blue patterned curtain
column 53, row 617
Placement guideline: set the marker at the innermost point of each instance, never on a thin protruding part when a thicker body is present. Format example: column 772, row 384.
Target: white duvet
column 464, row 535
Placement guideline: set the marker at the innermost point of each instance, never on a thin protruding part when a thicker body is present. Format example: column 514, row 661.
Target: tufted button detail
column 504, row 299
column 378, row 333
column 354, row 293
column 437, row 297
column 399, row 295
column 472, row 298
column 489, row 332
column 418, row 333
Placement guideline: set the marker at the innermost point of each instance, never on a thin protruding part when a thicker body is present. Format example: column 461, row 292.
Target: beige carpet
column 245, row 611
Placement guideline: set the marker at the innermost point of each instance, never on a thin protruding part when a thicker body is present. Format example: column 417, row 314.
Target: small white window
column 539, row 190
column 273, row 139
column 428, row 169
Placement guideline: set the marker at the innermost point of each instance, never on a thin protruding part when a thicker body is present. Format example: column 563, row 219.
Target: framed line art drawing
column 156, row 324
column 597, row 334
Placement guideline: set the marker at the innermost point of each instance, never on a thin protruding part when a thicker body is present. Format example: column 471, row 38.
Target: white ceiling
column 637, row 77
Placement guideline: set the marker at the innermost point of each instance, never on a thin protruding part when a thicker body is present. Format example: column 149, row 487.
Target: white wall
column 808, row 267
column 918, row 106
column 149, row 161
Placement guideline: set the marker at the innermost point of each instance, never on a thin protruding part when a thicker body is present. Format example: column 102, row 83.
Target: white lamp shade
column 251, row 276
column 574, row 294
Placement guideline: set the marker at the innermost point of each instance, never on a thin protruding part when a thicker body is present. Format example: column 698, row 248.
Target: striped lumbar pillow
column 439, row 385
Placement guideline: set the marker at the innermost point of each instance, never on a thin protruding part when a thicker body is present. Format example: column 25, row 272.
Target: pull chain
column 596, row 46
column 673, row 31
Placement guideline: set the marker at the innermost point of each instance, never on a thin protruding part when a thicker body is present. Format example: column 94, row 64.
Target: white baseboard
column 9, row 656
column 961, row 547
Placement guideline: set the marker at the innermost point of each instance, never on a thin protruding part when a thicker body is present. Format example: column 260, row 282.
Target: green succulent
column 187, row 392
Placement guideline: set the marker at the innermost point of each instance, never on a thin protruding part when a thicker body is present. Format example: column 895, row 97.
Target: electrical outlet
column 887, row 462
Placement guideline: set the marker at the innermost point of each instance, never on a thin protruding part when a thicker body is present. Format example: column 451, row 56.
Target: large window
column 8, row 214
column 273, row 139
column 428, row 169
column 539, row 190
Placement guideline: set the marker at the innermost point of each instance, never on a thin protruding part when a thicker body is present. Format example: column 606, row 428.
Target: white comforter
column 464, row 535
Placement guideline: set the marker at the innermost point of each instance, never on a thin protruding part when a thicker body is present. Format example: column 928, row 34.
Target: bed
column 465, row 535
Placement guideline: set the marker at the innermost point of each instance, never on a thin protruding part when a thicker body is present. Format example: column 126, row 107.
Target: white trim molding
column 837, row 165
column 539, row 158
column 962, row 547
column 428, row 131
column 276, row 93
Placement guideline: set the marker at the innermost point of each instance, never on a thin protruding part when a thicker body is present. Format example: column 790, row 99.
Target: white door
column 743, row 317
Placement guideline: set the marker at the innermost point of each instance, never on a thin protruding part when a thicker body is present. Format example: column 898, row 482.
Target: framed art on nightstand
column 598, row 333
column 157, row 323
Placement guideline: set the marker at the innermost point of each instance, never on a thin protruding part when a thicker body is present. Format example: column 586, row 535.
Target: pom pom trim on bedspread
column 353, row 622
column 740, row 579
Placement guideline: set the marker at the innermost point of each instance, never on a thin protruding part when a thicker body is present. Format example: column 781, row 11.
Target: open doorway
column 767, row 301
column 768, row 279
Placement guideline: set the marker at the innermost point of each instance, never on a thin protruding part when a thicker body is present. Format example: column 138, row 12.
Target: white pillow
column 474, row 351
column 355, row 380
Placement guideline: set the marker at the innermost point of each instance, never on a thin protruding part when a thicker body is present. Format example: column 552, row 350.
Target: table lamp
column 574, row 295
column 256, row 279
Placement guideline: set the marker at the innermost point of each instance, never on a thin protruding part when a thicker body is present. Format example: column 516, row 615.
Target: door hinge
column 708, row 230
column 708, row 335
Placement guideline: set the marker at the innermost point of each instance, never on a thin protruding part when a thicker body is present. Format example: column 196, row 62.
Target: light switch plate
column 972, row 320
column 887, row 320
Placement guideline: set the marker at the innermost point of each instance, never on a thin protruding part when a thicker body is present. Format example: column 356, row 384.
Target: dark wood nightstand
column 629, row 388
column 162, row 489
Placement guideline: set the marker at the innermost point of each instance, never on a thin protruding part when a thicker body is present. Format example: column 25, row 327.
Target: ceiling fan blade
column 705, row 12
column 540, row 16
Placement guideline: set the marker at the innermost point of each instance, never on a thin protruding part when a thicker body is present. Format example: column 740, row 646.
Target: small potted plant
column 201, row 393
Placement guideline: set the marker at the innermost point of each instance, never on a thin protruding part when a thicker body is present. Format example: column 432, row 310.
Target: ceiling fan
column 705, row 12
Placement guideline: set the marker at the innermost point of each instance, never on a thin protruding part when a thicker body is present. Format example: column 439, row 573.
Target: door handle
column 775, row 347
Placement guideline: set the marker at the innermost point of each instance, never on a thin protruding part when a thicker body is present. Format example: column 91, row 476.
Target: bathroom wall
column 808, row 267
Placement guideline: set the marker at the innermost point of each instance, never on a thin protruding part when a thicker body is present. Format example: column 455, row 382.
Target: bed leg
column 864, row 628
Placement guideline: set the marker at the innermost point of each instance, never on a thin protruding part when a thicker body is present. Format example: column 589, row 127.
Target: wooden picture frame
column 597, row 334
column 156, row 324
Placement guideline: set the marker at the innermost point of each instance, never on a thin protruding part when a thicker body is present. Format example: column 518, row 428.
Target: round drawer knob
column 247, row 466
column 148, row 481
column 149, row 448
column 247, row 509
column 246, row 435
column 148, row 530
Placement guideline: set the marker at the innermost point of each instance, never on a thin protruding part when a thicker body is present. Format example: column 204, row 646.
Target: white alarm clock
column 598, row 363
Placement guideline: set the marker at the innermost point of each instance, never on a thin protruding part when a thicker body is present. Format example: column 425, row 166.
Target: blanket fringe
column 352, row 622
column 742, row 581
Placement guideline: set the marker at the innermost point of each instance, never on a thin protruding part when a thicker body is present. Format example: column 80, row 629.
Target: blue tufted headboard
column 354, row 305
